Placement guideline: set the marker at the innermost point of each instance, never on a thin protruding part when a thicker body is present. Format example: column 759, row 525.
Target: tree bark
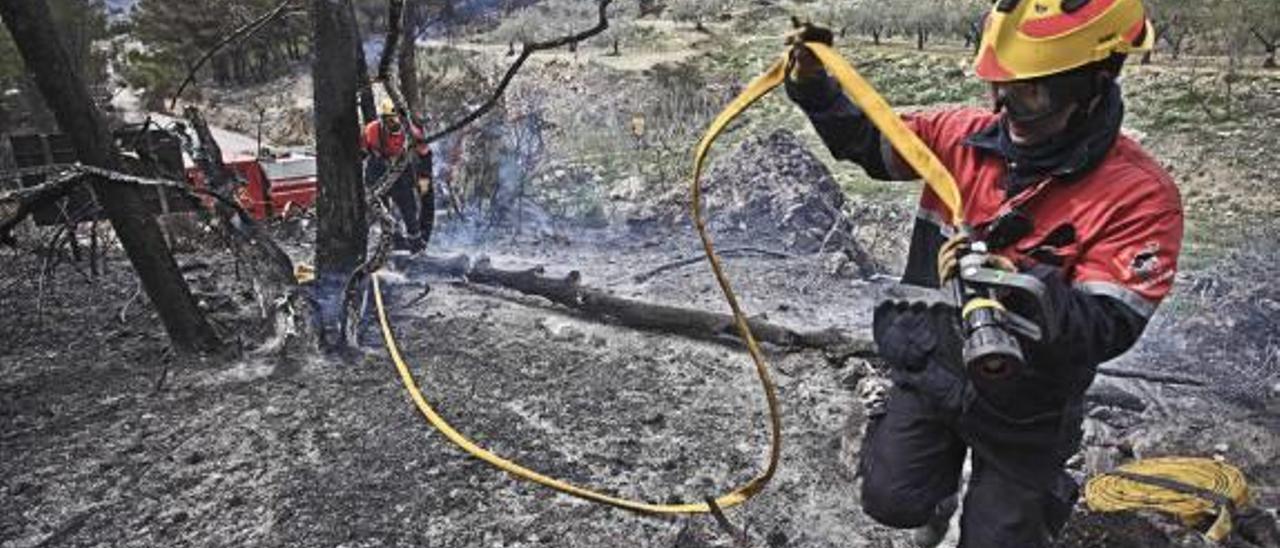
column 341, row 232
column 368, row 111
column 33, row 31
column 413, row 19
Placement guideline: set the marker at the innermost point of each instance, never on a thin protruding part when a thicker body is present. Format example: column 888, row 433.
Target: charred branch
column 272, row 266
column 285, row 312
column 1159, row 378
column 388, row 75
column 208, row 154
column 67, row 95
column 1268, row 45
column 408, row 58
column 595, row 303
column 391, row 47
column 245, row 31
column 16, row 205
column 696, row 324
column 739, row 536
column 526, row 51
column 731, row 252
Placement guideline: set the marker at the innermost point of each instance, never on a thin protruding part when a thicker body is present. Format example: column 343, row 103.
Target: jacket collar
column 1067, row 157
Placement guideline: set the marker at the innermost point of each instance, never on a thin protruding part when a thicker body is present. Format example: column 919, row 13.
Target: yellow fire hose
column 1192, row 489
column 908, row 145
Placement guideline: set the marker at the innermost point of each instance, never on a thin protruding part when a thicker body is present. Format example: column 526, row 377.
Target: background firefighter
column 1055, row 191
column 385, row 139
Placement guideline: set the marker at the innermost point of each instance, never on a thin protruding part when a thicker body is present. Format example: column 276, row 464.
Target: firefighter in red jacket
column 1055, row 190
column 385, row 140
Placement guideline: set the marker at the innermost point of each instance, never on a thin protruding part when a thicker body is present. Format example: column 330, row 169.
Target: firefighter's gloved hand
column 904, row 335
column 804, row 65
column 959, row 245
column 807, row 82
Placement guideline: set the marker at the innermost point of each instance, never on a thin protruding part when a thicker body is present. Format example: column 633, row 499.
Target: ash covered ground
column 108, row 440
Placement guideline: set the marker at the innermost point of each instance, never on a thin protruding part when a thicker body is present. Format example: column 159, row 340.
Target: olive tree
column 699, row 11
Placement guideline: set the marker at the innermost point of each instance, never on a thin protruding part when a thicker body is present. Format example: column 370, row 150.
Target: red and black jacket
column 1105, row 242
column 387, row 144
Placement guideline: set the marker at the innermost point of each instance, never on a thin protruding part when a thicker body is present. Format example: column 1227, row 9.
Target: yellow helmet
column 1025, row 39
column 387, row 107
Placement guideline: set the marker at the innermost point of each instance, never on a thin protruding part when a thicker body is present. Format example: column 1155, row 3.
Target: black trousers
column 1018, row 495
column 403, row 194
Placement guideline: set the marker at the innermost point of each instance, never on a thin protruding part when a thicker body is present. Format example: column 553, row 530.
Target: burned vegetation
column 196, row 197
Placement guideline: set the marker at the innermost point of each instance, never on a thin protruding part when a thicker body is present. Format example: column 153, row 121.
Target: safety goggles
column 1029, row 101
column 1026, row 101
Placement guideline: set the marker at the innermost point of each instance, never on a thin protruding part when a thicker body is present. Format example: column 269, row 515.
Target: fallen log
column 570, row 293
column 697, row 324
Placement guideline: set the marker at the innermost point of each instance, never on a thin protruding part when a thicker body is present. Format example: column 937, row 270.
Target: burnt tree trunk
column 65, row 93
column 368, row 111
column 409, row 88
column 286, row 315
column 341, row 233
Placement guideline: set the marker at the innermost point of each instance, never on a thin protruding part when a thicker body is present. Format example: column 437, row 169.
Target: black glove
column 915, row 325
column 904, row 336
column 807, row 83
column 809, row 32
column 804, row 65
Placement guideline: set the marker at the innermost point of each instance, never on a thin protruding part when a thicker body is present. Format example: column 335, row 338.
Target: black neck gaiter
column 1068, row 156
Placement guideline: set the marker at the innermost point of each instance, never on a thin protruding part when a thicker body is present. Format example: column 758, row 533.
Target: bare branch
column 526, row 51
column 15, row 205
column 736, row 251
column 740, row 539
column 390, row 48
column 247, row 30
column 1268, row 44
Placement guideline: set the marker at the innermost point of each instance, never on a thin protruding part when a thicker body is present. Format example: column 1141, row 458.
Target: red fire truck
column 273, row 187
column 270, row 187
